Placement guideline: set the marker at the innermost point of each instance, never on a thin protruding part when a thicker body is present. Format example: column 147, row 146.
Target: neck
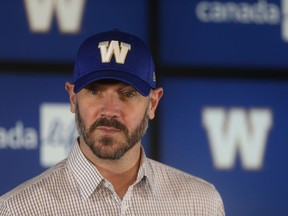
column 120, row 178
column 121, row 173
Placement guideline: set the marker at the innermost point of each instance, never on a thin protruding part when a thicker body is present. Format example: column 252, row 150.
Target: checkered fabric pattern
column 75, row 187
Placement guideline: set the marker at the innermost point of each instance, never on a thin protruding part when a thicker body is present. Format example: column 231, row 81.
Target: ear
column 72, row 96
column 155, row 97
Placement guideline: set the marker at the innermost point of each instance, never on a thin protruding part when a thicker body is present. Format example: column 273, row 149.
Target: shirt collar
column 145, row 172
column 89, row 178
column 85, row 173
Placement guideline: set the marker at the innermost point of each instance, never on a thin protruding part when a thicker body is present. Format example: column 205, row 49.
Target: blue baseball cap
column 115, row 55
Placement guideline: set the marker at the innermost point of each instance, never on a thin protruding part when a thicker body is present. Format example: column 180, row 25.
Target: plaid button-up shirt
column 75, row 187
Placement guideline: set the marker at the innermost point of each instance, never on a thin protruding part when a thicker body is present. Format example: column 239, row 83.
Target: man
column 113, row 95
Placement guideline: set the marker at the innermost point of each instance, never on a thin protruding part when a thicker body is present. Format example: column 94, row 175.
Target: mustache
column 108, row 123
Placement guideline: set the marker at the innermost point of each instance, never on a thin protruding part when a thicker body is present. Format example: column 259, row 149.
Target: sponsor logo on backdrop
column 237, row 131
column 69, row 14
column 54, row 139
column 57, row 132
column 261, row 12
column 18, row 137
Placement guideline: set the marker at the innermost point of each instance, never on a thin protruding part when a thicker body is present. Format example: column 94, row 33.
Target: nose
column 110, row 107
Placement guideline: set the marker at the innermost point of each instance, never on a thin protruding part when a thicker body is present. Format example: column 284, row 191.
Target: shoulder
column 35, row 185
column 181, row 181
column 174, row 173
column 187, row 192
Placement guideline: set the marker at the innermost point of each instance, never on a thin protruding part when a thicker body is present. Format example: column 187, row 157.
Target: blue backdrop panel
column 224, row 33
column 36, row 126
column 22, row 38
column 187, row 134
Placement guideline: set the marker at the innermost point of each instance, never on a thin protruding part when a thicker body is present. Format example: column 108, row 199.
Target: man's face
column 111, row 116
column 107, row 146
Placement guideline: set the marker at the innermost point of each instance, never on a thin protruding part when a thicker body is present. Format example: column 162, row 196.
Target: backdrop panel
column 224, row 33
column 52, row 31
column 233, row 134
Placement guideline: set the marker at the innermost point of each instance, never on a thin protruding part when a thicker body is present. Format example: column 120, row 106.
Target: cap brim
column 140, row 85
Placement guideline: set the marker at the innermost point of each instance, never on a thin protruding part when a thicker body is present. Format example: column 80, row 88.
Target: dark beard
column 98, row 146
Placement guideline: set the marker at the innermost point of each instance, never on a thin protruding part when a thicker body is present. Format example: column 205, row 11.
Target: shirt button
column 106, row 184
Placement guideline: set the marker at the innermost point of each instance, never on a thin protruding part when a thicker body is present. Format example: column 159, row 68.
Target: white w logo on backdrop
column 40, row 14
column 285, row 20
column 237, row 131
column 107, row 50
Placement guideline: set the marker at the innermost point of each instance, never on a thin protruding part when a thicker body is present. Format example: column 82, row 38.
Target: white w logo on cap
column 107, row 50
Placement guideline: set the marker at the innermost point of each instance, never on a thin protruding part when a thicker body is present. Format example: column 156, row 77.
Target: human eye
column 128, row 93
column 94, row 91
